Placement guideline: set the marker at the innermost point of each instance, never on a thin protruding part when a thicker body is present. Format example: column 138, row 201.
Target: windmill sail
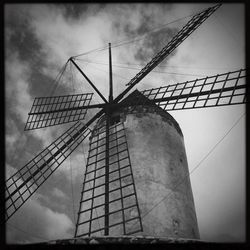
column 190, row 27
column 50, row 111
column 21, row 185
column 218, row 90
column 123, row 211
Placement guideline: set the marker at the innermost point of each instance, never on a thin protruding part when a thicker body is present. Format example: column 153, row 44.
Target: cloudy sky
column 39, row 39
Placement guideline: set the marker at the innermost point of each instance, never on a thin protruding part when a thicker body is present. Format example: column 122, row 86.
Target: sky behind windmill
column 39, row 39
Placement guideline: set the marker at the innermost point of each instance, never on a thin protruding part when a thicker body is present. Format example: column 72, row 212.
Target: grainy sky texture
column 39, row 39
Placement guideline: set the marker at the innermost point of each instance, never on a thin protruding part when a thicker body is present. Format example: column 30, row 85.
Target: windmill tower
column 149, row 139
column 122, row 127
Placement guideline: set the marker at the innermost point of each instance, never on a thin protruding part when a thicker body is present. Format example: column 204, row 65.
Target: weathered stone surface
column 80, row 241
column 140, row 239
column 160, row 169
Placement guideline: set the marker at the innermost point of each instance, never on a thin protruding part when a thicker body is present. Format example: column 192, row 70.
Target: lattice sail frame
column 123, row 208
column 218, row 90
column 20, row 186
column 50, row 111
column 189, row 28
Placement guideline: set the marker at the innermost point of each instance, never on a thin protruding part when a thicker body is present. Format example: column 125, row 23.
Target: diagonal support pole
column 92, row 85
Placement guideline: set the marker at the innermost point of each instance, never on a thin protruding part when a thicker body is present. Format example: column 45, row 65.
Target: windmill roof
column 137, row 98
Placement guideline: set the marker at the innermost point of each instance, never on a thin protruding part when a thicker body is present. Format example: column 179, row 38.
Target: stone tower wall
column 160, row 170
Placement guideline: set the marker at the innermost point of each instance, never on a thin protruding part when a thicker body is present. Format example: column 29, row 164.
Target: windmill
column 170, row 98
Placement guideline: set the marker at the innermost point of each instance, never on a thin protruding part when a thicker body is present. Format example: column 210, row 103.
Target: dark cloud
column 22, row 39
column 13, row 128
column 146, row 17
column 149, row 19
column 76, row 11
column 131, row 31
column 153, row 43
column 25, row 147
column 43, row 85
column 73, row 11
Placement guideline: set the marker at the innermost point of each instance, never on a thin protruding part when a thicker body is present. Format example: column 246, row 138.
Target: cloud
column 9, row 170
column 154, row 43
column 76, row 161
column 74, row 12
column 50, row 134
column 19, row 104
column 37, row 222
column 56, row 33
column 18, row 74
column 136, row 20
column 14, row 138
column 19, row 99
column 58, row 193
